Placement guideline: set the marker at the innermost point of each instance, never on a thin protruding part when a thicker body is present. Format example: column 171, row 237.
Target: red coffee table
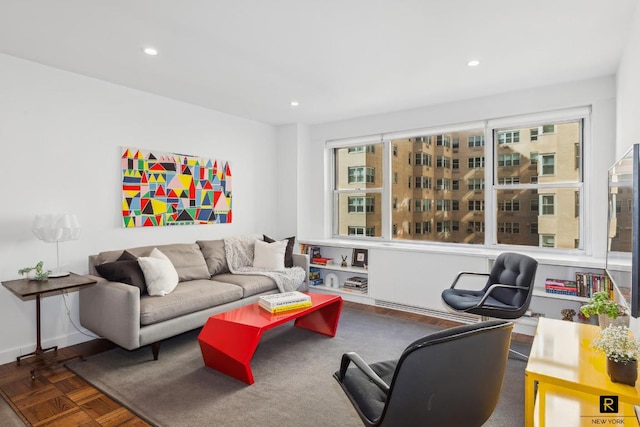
column 228, row 340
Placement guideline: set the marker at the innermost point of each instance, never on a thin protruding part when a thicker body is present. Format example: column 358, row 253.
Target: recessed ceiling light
column 150, row 51
column 473, row 63
column 294, row 103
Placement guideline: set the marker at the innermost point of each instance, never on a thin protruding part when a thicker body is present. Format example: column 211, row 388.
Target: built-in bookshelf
column 339, row 269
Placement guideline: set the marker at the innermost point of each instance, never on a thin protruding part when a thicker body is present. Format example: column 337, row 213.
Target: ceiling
column 339, row 58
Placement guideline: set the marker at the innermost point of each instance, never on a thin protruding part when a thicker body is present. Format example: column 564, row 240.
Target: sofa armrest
column 302, row 261
column 112, row 311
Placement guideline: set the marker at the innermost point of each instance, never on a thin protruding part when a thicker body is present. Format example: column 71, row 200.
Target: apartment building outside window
column 522, row 179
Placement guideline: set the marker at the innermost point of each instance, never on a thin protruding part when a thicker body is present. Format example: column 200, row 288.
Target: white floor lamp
column 56, row 228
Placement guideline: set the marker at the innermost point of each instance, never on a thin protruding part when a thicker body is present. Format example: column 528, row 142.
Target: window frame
column 489, row 149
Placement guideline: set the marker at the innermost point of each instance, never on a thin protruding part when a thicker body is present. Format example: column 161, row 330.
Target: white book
column 283, row 298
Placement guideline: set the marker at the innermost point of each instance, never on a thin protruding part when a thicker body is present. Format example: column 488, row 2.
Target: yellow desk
column 561, row 356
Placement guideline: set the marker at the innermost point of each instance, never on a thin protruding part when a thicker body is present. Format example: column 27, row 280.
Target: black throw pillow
column 125, row 270
column 288, row 253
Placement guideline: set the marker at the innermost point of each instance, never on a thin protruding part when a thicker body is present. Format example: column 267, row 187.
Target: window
column 360, row 174
column 362, row 149
column 547, row 241
column 534, row 186
column 508, row 137
column 509, row 159
column 423, row 159
column 422, row 205
column 443, row 184
column 361, row 231
column 443, row 141
column 361, row 205
column 547, row 201
column 475, row 184
column 443, row 162
column 423, row 182
column 475, row 205
column 476, row 162
column 509, row 180
column 443, row 205
column 475, row 141
column 548, row 164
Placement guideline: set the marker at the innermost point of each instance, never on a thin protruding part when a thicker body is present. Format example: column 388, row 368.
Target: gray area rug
column 292, row 368
column 8, row 418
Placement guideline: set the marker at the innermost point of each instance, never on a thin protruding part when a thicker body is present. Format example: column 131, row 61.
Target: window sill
column 559, row 258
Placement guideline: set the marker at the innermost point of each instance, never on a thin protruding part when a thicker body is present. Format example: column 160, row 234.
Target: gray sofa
column 130, row 318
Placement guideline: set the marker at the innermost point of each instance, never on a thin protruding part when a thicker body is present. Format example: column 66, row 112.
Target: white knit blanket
column 239, row 253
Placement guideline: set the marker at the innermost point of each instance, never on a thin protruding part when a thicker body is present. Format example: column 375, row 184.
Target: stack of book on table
column 356, row 284
column 278, row 303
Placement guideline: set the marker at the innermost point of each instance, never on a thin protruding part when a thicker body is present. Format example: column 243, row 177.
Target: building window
column 475, row 184
column 512, row 159
column 533, row 228
column 443, row 141
column 443, row 205
column 361, row 205
column 395, row 177
column 455, row 184
column 475, row 141
column 547, row 241
column 509, row 180
column 509, row 137
column 443, row 184
column 476, row 162
column 548, row 164
column 475, row 205
column 362, row 149
column 547, row 201
column 423, row 182
column 422, row 205
column 423, row 227
column 475, row 227
column 455, row 164
column 509, row 205
column 361, row 231
column 361, row 174
column 423, row 159
column 395, row 151
column 443, row 162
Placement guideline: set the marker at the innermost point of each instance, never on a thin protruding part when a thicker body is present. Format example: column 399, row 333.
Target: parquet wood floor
column 57, row 397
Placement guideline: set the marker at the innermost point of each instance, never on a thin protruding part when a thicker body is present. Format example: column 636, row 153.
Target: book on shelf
column 321, row 261
column 286, row 307
column 588, row 284
column 313, row 275
column 354, row 290
column 282, row 299
column 316, row 282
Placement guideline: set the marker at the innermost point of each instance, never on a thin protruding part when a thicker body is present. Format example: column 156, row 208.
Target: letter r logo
column 608, row 404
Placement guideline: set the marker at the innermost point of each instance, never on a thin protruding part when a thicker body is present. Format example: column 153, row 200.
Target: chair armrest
column 466, row 273
column 364, row 367
column 496, row 286
column 302, row 261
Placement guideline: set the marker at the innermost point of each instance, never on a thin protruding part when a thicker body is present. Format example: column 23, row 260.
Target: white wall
column 61, row 135
column 628, row 90
column 418, row 275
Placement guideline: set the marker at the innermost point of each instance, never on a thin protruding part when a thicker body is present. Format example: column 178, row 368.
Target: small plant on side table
column 601, row 304
column 38, row 272
column 622, row 352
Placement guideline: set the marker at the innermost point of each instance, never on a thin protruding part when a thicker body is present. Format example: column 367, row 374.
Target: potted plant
column 35, row 273
column 608, row 311
column 622, row 352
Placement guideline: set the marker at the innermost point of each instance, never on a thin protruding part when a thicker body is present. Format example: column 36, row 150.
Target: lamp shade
column 54, row 228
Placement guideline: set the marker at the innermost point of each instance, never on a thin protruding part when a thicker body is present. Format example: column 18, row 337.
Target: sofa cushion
column 214, row 255
column 185, row 257
column 124, row 270
column 187, row 297
column 250, row 284
column 269, row 256
column 159, row 273
column 288, row 255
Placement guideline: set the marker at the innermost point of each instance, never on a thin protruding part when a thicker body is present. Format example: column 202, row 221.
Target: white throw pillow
column 159, row 273
column 269, row 256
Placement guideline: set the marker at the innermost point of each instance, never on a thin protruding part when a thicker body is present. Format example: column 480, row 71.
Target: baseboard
column 10, row 355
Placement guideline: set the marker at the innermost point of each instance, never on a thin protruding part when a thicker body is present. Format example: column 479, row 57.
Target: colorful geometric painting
column 174, row 189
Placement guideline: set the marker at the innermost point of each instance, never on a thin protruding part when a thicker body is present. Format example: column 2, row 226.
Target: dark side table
column 27, row 289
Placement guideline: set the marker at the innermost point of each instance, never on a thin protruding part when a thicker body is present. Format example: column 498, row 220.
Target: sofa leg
column 155, row 349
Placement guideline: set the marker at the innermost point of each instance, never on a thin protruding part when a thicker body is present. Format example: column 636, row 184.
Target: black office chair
column 506, row 294
column 449, row 378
